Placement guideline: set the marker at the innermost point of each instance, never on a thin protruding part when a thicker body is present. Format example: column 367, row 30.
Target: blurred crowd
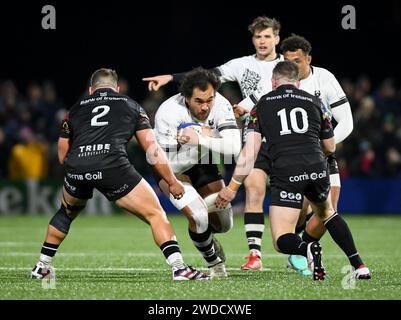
column 30, row 118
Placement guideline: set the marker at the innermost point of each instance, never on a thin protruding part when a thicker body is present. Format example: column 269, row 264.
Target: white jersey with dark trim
column 252, row 75
column 173, row 112
column 323, row 84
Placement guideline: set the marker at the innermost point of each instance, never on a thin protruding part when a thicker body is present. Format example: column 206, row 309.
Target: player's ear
column 298, row 84
column 274, row 84
column 309, row 58
column 90, row 90
column 277, row 40
column 118, row 89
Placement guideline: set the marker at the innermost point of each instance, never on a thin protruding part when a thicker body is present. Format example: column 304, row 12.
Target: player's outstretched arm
column 244, row 166
column 345, row 124
column 156, row 82
column 328, row 146
column 158, row 159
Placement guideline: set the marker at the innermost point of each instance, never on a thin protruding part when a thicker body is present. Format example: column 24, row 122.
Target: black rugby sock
column 342, row 235
column 291, row 243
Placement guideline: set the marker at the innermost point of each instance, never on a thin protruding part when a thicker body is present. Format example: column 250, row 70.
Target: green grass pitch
column 115, row 258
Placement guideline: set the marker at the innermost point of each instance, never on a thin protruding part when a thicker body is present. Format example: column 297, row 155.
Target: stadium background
column 43, row 72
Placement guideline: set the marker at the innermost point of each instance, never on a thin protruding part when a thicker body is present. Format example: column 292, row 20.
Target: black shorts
column 203, row 174
column 333, row 166
column 200, row 175
column 289, row 185
column 113, row 183
column 262, row 161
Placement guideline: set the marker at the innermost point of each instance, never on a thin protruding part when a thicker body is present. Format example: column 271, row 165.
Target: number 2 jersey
column 99, row 128
column 293, row 122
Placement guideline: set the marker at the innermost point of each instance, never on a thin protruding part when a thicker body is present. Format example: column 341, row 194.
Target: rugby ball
column 193, row 125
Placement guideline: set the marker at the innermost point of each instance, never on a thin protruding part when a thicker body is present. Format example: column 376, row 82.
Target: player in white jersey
column 322, row 83
column 253, row 74
column 199, row 106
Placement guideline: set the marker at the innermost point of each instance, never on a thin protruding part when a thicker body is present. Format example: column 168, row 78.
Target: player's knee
column 255, row 192
column 222, row 219
column 73, row 210
column 225, row 220
column 154, row 215
column 61, row 220
column 199, row 215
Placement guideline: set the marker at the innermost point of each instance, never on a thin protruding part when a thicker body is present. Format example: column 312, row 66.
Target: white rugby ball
column 193, row 125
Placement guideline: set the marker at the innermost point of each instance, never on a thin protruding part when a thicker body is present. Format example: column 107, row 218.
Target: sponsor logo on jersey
column 68, row 186
column 86, row 176
column 65, row 126
column 313, row 176
column 290, row 196
column 94, row 176
column 118, row 191
column 93, row 149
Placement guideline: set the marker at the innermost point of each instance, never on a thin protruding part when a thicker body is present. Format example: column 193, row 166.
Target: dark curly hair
column 295, row 42
column 199, row 78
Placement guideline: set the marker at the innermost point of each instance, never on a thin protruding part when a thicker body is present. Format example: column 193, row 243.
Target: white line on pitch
column 109, row 269
column 129, row 254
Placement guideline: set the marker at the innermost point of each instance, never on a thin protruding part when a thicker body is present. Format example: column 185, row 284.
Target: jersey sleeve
column 225, row 117
column 229, row 70
column 165, row 129
column 142, row 120
column 65, row 127
column 335, row 94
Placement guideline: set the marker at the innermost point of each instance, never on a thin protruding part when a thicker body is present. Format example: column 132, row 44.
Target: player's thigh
column 206, row 178
column 282, row 220
column 262, row 161
column 75, row 194
column 211, row 188
column 220, row 219
column 142, row 201
column 71, row 200
column 207, row 181
column 323, row 209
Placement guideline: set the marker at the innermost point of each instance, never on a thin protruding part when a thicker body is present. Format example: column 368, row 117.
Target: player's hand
column 177, row 189
column 238, row 111
column 188, row 136
column 158, row 81
column 224, row 197
column 207, row 131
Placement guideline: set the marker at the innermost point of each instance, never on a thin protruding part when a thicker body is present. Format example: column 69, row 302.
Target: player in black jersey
column 92, row 148
column 299, row 137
